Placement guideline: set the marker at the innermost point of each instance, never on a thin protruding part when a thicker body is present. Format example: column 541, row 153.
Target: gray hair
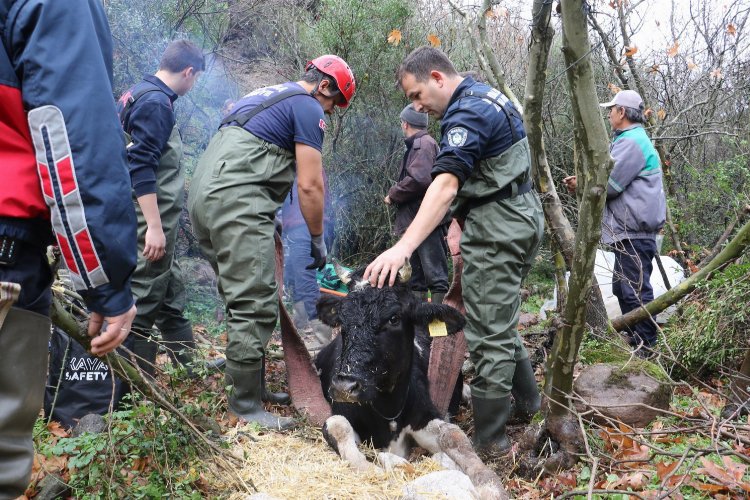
column 634, row 115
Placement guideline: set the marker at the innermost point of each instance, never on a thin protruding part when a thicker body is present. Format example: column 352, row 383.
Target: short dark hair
column 634, row 115
column 421, row 61
column 182, row 54
column 313, row 75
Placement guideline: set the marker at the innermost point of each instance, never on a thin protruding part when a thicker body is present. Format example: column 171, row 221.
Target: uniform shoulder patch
column 457, row 136
column 322, row 125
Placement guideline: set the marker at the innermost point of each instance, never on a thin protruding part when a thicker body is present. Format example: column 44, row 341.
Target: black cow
column 374, row 374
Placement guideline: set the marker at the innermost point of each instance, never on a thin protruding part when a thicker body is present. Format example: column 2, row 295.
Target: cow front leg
column 439, row 435
column 340, row 435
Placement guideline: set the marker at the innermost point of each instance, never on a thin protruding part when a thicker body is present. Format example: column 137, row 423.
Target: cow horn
column 344, row 275
column 404, row 274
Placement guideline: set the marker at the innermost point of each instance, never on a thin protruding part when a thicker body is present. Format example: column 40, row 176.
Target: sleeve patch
column 457, row 136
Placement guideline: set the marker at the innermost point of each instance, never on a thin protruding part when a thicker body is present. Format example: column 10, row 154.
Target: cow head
column 378, row 335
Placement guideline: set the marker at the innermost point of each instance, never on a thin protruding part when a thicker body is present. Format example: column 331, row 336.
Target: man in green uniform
column 239, row 184
column 484, row 165
column 154, row 154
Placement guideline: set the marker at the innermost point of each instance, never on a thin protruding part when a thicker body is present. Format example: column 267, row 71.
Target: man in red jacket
column 428, row 262
column 64, row 179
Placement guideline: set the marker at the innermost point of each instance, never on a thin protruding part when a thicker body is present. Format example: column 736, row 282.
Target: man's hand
column 571, row 182
column 318, row 252
column 118, row 328
column 386, row 264
column 387, row 200
column 156, row 244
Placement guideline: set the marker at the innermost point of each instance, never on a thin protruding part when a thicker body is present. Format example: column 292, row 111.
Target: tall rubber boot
column 301, row 320
column 276, row 398
column 245, row 396
column 437, row 297
column 180, row 344
column 526, row 397
column 24, row 341
column 144, row 348
column 490, row 417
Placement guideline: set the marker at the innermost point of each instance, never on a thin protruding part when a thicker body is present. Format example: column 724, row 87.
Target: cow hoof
column 389, row 461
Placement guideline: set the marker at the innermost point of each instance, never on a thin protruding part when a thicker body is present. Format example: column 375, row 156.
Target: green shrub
column 144, row 453
column 711, row 328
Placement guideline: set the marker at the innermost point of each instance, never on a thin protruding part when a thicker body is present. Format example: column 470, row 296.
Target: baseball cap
column 626, row 98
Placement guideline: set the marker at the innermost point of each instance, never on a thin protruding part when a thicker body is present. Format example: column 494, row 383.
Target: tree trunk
column 734, row 249
column 597, row 163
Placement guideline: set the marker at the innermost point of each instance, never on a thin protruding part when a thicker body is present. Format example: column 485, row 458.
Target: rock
column 621, row 394
column 52, row 487
column 91, row 423
column 527, row 319
column 447, row 484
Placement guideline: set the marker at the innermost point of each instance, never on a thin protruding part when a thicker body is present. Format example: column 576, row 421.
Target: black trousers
column 429, row 263
column 631, row 283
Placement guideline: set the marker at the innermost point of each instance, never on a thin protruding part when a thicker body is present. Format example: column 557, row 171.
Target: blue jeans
column 631, row 283
column 302, row 283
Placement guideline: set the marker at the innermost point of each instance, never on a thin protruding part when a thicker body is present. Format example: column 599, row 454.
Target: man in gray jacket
column 429, row 263
column 635, row 211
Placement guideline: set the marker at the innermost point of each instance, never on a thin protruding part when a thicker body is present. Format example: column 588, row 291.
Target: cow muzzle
column 346, row 389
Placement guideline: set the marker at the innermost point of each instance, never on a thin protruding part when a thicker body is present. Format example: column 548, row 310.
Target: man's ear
column 425, row 313
column 328, row 310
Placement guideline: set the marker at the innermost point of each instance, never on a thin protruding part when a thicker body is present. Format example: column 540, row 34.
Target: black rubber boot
column 144, row 348
column 180, row 344
column 437, row 298
column 276, row 398
column 24, row 341
column 526, row 397
column 245, row 396
column 490, row 417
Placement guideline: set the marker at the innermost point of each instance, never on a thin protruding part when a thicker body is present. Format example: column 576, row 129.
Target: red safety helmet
column 336, row 68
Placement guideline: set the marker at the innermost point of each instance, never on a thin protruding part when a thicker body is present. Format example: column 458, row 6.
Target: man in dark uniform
column 428, row 262
column 239, row 184
column 64, row 178
column 484, row 165
column 154, row 154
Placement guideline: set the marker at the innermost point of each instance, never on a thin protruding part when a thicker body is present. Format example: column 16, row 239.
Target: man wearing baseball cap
column 635, row 211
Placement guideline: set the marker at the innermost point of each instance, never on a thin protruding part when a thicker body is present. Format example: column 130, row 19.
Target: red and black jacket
column 62, row 154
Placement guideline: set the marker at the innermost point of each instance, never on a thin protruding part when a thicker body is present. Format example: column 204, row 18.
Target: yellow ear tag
column 438, row 329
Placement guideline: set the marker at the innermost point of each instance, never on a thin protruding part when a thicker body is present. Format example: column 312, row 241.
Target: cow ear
column 425, row 313
column 328, row 310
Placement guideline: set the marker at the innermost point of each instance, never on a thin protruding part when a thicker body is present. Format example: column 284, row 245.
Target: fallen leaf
column 663, row 469
column 678, row 479
column 56, row 429
column 731, row 29
column 568, row 479
column 630, row 51
column 711, row 488
column 672, row 51
column 394, row 37
column 434, row 40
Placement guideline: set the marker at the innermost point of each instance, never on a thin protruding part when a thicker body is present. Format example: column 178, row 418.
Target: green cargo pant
column 158, row 286
column 498, row 246
column 239, row 183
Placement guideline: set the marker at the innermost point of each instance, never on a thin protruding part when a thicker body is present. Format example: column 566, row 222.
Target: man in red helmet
column 240, row 182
